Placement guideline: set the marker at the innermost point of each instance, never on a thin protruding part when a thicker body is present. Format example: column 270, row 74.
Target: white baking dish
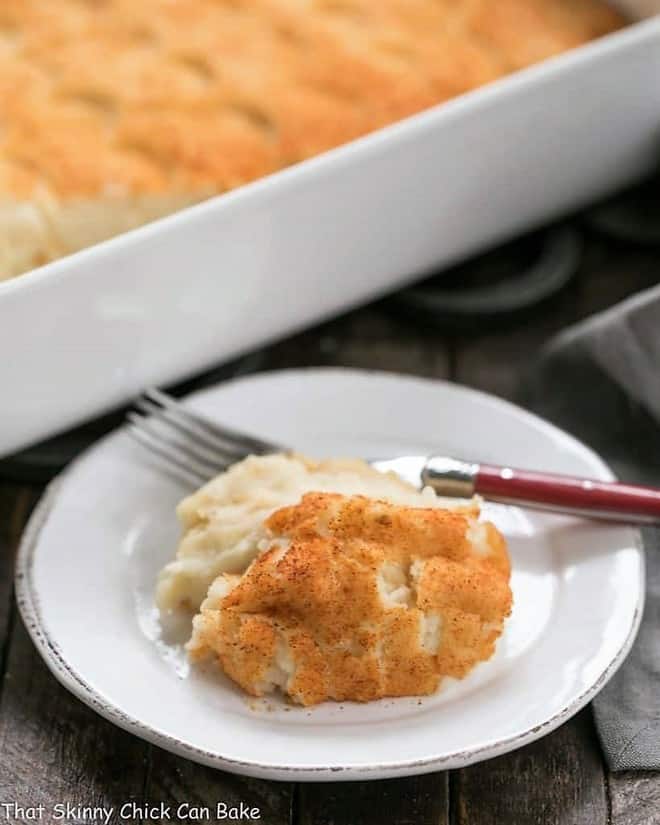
column 87, row 332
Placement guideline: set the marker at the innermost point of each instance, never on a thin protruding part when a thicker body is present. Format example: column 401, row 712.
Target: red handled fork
column 196, row 448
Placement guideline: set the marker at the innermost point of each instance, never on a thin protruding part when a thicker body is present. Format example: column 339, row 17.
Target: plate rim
column 27, row 600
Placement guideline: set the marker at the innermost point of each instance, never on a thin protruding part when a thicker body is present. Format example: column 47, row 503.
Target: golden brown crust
column 359, row 599
column 155, row 96
column 117, row 112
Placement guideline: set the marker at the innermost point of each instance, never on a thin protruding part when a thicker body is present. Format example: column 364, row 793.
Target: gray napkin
column 600, row 380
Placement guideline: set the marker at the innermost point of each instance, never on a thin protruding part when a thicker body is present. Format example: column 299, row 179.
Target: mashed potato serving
column 329, row 580
column 223, row 521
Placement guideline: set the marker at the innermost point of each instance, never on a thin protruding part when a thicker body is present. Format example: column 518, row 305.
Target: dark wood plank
column 366, row 339
column 16, row 502
column 555, row 781
column 635, row 798
column 54, row 749
column 418, row 800
column 173, row 780
column 15, row 506
column 7, row 501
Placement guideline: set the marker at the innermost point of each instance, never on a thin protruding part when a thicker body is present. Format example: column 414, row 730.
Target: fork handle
column 632, row 503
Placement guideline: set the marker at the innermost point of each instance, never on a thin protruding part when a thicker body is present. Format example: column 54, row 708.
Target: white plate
column 88, row 562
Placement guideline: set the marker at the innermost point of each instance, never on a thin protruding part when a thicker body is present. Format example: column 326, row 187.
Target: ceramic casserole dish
column 87, row 332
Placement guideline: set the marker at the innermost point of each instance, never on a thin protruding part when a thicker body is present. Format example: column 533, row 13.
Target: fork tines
column 186, row 442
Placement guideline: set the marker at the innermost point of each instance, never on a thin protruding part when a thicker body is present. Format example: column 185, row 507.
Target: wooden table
column 54, row 749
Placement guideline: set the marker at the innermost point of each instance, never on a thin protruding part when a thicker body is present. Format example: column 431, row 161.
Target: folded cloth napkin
column 601, row 381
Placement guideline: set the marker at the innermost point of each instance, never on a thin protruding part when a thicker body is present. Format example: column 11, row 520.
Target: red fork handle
column 546, row 491
column 580, row 496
